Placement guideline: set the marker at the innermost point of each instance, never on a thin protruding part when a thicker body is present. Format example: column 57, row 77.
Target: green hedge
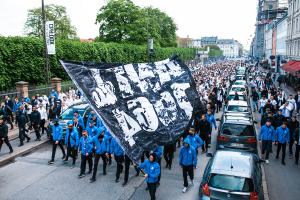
column 21, row 58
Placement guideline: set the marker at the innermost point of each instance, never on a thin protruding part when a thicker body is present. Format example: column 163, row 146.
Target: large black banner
column 142, row 105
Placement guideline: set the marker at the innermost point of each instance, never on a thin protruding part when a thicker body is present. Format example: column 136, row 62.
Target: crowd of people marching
column 92, row 141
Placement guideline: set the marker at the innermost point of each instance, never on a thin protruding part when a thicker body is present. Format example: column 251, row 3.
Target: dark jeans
column 219, row 106
column 119, row 160
column 36, row 130
column 291, row 144
column 71, row 152
column 96, row 161
column 187, row 170
column 159, row 162
column 169, row 155
column 6, row 141
column 42, row 125
column 145, row 153
column 54, row 149
column 83, row 163
column 152, row 190
column 205, row 137
column 127, row 166
column 266, row 147
column 22, row 134
column 283, row 146
column 297, row 153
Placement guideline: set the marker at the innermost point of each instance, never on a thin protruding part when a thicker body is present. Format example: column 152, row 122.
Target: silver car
column 231, row 175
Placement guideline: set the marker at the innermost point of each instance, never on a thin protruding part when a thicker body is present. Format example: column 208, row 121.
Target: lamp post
column 46, row 57
column 150, row 49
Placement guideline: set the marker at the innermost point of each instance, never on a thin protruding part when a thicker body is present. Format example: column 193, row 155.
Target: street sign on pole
column 50, row 37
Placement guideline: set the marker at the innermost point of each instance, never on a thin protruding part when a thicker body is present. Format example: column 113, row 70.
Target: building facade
column 293, row 30
column 281, row 38
column 205, row 41
column 230, row 47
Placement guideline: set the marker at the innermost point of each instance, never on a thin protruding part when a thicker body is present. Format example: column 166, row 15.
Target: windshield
column 69, row 114
column 237, row 130
column 231, row 97
column 238, row 89
column 236, row 108
column 239, row 83
column 231, row 183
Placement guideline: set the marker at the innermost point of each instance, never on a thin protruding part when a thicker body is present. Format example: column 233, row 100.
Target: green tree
column 56, row 13
column 123, row 22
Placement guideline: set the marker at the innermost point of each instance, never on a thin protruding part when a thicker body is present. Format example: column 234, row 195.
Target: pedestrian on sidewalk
column 297, row 99
column 21, row 120
column 127, row 165
column 6, row 112
column 282, row 138
column 255, row 98
column 286, row 109
column 44, row 117
column 57, row 133
column 72, row 142
column 297, row 143
column 267, row 137
column 35, row 119
column 292, row 104
column 4, row 135
column 158, row 151
column 188, row 162
column 101, row 148
column 85, row 147
column 293, row 124
column 152, row 172
column 204, row 130
column 194, row 139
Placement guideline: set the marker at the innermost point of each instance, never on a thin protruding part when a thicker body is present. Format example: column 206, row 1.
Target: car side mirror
column 210, row 155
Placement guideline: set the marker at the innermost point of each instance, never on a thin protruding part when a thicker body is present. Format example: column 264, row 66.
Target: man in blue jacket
column 267, row 137
column 158, row 154
column 57, row 132
column 85, row 147
column 152, row 171
column 92, row 129
column 118, row 152
column 282, row 138
column 188, row 162
column 101, row 150
column 194, row 139
column 80, row 119
column 72, row 142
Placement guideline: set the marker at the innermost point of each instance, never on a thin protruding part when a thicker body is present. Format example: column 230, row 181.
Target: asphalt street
column 30, row 177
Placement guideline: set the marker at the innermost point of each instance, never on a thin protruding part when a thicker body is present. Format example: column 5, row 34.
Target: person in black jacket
column 203, row 128
column 4, row 135
column 10, row 105
column 293, row 124
column 297, row 142
column 169, row 150
column 21, row 120
column 35, row 119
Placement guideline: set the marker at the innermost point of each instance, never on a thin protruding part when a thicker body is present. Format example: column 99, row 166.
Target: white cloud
column 196, row 18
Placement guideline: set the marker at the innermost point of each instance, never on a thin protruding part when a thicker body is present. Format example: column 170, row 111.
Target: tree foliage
column 122, row 21
column 21, row 58
column 56, row 13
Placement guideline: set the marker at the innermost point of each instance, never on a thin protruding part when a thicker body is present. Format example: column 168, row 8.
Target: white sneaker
column 192, row 183
column 267, row 161
column 184, row 189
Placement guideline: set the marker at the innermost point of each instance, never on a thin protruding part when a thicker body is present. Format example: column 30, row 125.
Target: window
column 232, row 183
column 237, row 130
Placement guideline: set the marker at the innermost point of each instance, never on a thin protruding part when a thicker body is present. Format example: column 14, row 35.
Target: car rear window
column 231, row 183
column 231, row 97
column 236, row 108
column 237, row 129
column 69, row 114
column 238, row 89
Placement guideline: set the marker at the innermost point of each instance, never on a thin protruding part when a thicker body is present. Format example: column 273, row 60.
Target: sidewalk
column 6, row 157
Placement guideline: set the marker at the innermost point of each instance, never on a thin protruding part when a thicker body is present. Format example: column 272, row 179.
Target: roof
column 237, row 120
column 80, row 106
column 237, row 103
column 232, row 163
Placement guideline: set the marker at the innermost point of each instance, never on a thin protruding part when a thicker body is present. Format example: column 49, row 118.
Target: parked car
column 232, row 175
column 241, row 95
column 237, row 132
column 83, row 109
column 237, row 106
column 238, row 88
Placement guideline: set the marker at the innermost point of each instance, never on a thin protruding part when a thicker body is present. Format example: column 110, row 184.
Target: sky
column 226, row 19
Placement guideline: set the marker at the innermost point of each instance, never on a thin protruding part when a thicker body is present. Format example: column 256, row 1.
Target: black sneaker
column 283, row 163
column 50, row 162
column 28, row 139
column 117, row 180
column 104, row 173
column 64, row 156
column 11, row 151
column 124, row 183
column 81, row 175
column 90, row 171
column 20, row 145
column 92, row 180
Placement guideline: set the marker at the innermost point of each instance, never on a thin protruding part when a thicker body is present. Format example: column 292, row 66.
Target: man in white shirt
column 44, row 117
column 262, row 103
column 286, row 110
column 292, row 104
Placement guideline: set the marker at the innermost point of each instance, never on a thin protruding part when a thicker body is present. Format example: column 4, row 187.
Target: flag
column 142, row 105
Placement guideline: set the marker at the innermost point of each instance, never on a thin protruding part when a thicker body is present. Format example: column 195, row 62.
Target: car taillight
column 251, row 140
column 205, row 190
column 223, row 138
column 253, row 196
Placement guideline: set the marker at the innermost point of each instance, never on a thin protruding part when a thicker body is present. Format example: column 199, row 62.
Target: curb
column 10, row 158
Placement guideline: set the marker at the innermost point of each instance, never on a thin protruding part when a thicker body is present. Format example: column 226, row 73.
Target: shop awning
column 291, row 66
